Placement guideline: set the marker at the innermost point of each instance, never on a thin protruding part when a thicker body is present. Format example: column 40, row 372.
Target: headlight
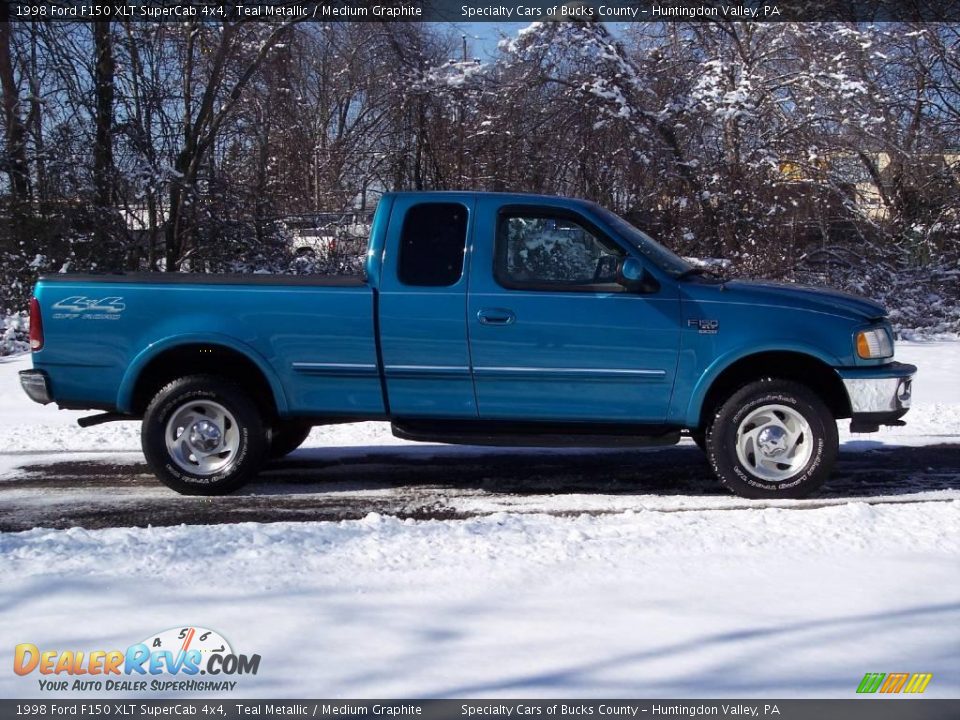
column 873, row 344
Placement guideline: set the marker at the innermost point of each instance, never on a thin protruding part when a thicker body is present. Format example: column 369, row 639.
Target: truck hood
column 800, row 297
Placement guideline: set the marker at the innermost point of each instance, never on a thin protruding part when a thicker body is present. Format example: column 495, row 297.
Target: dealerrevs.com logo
column 169, row 661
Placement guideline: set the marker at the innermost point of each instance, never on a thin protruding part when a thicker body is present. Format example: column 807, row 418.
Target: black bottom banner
column 876, row 708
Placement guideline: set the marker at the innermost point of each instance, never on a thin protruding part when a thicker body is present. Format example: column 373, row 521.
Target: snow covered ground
column 573, row 594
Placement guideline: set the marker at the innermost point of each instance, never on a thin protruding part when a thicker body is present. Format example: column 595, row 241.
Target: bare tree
column 208, row 99
column 16, row 152
column 103, row 86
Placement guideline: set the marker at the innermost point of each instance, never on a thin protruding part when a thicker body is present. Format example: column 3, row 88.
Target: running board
column 91, row 420
column 867, row 426
column 534, row 434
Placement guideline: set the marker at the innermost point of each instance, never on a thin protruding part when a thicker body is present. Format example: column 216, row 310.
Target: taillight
column 36, row 326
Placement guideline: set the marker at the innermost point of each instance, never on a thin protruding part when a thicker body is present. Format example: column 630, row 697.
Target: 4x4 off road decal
column 84, row 308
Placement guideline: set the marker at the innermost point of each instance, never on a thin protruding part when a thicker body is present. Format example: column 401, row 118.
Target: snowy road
column 55, row 474
column 469, row 572
column 117, row 490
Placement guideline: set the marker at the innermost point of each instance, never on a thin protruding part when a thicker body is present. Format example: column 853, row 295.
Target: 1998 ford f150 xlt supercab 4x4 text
column 484, row 318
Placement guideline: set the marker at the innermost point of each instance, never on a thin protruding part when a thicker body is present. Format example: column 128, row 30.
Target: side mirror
column 634, row 277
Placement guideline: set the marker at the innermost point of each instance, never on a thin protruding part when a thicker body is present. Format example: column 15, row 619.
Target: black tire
column 761, row 398
column 242, row 426
column 285, row 437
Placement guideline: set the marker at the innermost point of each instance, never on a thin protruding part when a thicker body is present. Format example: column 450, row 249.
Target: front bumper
column 878, row 395
column 36, row 385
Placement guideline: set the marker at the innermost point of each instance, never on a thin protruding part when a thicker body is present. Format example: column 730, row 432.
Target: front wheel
column 202, row 435
column 772, row 439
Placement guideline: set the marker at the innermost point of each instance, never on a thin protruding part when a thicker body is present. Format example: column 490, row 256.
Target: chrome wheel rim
column 774, row 443
column 202, row 437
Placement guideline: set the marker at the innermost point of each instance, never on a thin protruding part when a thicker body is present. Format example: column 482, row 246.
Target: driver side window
column 553, row 252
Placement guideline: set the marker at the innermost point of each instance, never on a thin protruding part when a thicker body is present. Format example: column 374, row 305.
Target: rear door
column 422, row 307
column 552, row 335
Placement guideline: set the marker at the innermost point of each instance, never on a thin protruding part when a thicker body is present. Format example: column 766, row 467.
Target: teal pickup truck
column 483, row 319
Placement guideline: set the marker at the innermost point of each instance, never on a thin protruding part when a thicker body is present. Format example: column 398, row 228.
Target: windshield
column 663, row 258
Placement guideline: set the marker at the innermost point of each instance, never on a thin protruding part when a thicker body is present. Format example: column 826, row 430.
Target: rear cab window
column 432, row 245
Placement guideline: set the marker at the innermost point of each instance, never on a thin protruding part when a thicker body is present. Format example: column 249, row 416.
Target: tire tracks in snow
column 445, row 483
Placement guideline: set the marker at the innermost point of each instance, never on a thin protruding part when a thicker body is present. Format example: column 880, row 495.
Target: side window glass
column 543, row 252
column 432, row 244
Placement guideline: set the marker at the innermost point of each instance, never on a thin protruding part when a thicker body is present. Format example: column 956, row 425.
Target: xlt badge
column 706, row 327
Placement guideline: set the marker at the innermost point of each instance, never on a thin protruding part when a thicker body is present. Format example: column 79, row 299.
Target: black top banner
column 485, row 10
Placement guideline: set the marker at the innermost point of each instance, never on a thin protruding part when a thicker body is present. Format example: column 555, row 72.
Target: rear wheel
column 202, row 435
column 772, row 439
column 285, row 437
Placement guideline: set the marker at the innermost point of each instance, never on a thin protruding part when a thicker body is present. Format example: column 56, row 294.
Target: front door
column 552, row 335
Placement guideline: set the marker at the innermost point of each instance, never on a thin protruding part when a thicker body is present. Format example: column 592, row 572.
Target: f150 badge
column 706, row 327
column 79, row 306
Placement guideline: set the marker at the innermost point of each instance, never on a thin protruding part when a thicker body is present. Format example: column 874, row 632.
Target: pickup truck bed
column 317, row 326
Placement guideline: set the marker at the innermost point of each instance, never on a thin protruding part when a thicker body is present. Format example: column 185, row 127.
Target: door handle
column 496, row 316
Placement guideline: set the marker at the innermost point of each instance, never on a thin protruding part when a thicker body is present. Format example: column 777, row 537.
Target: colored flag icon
column 892, row 683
